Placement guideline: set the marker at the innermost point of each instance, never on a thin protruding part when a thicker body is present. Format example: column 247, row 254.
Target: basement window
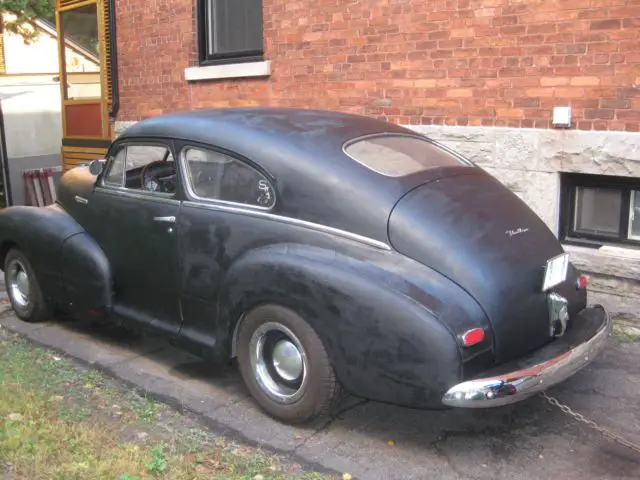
column 598, row 210
column 230, row 31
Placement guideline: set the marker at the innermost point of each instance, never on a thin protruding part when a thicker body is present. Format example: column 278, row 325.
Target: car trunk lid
column 474, row 230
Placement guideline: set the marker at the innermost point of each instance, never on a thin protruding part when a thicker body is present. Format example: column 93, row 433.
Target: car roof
column 302, row 149
column 281, row 125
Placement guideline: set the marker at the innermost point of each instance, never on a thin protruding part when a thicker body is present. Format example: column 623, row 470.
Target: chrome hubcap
column 287, row 360
column 279, row 362
column 18, row 284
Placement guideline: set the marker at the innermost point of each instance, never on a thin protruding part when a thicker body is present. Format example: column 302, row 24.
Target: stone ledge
column 623, row 263
column 233, row 70
column 543, row 150
column 614, row 279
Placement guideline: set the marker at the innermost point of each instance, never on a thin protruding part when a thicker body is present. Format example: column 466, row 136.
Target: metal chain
column 581, row 418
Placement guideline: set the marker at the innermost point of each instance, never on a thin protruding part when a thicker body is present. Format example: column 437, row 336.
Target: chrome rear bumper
column 544, row 368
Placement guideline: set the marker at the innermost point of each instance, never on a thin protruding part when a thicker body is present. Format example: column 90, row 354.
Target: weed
column 158, row 464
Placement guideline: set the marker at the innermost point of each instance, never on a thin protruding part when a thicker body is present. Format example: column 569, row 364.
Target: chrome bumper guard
column 542, row 369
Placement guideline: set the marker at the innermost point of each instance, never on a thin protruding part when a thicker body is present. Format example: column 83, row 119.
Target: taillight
column 472, row 337
column 582, row 282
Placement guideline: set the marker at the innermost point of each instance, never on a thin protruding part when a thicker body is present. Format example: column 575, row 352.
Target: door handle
column 165, row 219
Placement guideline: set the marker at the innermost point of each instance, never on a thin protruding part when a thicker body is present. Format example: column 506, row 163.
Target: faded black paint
column 459, row 226
column 389, row 319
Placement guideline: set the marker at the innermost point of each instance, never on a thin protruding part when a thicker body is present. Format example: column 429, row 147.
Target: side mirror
column 95, row 167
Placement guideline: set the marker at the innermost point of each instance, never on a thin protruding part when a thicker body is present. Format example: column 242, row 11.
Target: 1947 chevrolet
column 326, row 252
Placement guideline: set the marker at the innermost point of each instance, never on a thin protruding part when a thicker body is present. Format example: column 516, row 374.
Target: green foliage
column 158, row 464
column 127, row 476
column 26, row 11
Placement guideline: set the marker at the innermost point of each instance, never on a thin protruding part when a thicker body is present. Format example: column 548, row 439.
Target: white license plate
column 555, row 271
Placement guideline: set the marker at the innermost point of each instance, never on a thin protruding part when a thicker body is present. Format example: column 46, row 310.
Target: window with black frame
column 600, row 209
column 230, row 31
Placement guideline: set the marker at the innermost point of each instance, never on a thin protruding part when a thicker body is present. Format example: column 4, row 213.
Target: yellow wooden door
column 85, row 79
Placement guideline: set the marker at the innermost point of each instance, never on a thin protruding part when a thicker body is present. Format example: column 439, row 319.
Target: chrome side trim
column 291, row 221
column 120, row 192
column 512, row 387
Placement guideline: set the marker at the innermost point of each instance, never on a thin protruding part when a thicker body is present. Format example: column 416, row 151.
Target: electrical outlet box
column 562, row 117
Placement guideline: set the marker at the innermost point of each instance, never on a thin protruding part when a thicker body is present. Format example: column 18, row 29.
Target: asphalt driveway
column 531, row 440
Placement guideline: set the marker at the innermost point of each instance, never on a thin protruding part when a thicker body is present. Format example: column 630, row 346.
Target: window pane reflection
column 598, row 210
column 634, row 223
column 81, row 51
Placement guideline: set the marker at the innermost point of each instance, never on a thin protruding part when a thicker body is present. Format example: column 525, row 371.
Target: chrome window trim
column 464, row 161
column 153, row 196
column 214, row 201
column 109, row 165
column 289, row 220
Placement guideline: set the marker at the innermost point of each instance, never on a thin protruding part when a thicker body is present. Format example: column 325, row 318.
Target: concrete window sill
column 232, row 70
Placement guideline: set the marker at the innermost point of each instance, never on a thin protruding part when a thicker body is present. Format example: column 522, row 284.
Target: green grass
column 626, row 333
column 59, row 421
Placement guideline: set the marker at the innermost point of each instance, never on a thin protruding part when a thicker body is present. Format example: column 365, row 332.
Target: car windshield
column 400, row 155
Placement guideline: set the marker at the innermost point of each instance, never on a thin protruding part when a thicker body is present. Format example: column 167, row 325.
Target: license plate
column 555, row 271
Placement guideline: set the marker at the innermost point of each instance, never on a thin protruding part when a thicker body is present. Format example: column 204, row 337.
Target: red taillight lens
column 472, row 337
column 582, row 282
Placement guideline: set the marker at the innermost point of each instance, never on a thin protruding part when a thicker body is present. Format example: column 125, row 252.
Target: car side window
column 147, row 168
column 114, row 176
column 215, row 176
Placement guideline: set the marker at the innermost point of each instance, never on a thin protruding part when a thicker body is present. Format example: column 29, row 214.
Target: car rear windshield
column 400, row 155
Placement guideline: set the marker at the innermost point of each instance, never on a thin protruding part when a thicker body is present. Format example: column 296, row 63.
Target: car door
column 222, row 191
column 138, row 231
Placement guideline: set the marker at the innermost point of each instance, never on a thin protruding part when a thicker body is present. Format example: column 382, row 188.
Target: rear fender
column 384, row 344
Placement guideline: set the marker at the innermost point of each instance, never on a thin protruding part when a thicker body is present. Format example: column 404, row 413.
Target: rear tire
column 23, row 289
column 285, row 365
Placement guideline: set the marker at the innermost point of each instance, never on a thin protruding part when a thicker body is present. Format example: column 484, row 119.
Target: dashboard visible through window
column 149, row 168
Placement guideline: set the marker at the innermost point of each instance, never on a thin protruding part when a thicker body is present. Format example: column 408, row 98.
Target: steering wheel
column 158, row 176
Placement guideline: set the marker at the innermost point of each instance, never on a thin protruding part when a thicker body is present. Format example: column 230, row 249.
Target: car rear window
column 400, row 155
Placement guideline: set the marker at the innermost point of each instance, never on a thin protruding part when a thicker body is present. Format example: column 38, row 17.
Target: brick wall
column 454, row 62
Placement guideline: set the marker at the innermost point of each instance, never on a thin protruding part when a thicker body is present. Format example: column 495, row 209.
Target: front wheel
column 23, row 288
column 285, row 365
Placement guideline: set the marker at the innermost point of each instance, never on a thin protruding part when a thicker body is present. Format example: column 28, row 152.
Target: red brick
column 541, row 28
column 628, row 115
column 584, row 81
column 554, row 81
column 632, row 22
column 605, row 25
column 526, row 102
column 571, row 48
column 454, row 62
column 510, row 112
column 459, row 92
column 599, row 113
column 616, row 103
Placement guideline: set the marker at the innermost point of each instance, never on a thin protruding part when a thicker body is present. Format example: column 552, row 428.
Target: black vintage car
column 327, row 252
